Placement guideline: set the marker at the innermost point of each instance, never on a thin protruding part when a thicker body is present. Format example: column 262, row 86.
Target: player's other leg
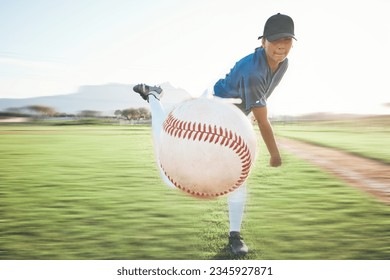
column 153, row 94
column 236, row 204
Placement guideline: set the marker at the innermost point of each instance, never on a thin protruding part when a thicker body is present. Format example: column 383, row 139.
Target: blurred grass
column 357, row 136
column 93, row 192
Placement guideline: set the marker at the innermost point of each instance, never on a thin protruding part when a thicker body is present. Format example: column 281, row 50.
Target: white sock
column 158, row 118
column 236, row 203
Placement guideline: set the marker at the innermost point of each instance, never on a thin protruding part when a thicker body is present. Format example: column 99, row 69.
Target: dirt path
column 368, row 175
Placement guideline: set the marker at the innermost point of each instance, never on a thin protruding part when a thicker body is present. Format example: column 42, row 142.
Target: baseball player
column 251, row 80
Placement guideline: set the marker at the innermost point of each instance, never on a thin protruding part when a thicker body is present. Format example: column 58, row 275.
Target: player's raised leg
column 153, row 94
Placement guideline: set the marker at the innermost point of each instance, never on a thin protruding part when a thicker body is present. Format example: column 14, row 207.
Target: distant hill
column 103, row 98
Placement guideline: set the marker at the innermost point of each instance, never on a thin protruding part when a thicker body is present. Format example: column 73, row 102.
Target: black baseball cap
column 278, row 26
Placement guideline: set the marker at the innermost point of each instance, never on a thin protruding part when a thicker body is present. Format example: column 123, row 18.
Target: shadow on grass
column 226, row 254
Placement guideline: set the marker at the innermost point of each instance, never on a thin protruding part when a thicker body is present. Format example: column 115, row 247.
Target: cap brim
column 278, row 36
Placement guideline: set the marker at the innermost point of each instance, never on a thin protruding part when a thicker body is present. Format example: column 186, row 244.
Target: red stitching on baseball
column 195, row 131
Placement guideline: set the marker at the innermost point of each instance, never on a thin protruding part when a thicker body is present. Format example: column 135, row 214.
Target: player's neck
column 273, row 66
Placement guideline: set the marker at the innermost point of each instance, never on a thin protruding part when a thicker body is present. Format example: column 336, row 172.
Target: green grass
column 370, row 141
column 93, row 192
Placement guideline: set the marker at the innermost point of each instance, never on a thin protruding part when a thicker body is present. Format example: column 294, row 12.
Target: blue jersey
column 251, row 80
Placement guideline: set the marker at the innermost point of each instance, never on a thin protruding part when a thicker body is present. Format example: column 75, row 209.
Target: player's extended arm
column 267, row 133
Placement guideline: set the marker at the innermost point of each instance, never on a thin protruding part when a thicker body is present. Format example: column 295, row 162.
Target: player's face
column 277, row 51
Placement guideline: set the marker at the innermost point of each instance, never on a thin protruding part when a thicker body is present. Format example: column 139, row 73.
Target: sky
column 339, row 63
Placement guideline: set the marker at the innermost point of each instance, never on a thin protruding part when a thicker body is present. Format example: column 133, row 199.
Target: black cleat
column 237, row 244
column 145, row 91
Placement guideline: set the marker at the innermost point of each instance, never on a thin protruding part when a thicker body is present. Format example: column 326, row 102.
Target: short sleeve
column 254, row 92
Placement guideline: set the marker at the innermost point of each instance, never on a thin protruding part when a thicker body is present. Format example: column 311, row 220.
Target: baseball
column 207, row 147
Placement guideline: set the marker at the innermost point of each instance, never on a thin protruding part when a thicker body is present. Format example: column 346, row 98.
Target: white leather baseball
column 207, row 147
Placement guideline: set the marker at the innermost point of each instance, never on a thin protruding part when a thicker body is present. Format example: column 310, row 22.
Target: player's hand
column 275, row 161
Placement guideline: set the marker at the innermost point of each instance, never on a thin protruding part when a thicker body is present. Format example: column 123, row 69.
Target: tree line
column 134, row 114
column 46, row 111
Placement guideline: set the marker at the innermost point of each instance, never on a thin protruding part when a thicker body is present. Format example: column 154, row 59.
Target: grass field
column 93, row 192
column 364, row 137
